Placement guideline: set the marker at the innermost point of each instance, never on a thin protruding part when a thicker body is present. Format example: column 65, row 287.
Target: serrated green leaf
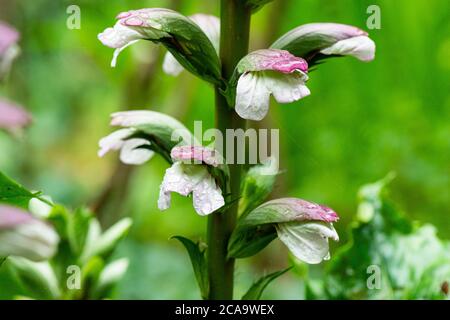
column 257, row 289
column 199, row 265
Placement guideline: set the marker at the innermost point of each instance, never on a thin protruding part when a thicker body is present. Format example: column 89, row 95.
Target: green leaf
column 198, row 260
column 13, row 193
column 77, row 229
column 257, row 185
column 257, row 289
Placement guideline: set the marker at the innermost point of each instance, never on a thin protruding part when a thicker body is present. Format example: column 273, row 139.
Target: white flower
column 210, row 25
column 265, row 73
column 186, row 178
column 25, row 236
column 131, row 151
column 125, row 32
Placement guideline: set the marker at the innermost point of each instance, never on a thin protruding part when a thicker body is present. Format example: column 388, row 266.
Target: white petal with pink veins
column 307, row 241
column 361, row 47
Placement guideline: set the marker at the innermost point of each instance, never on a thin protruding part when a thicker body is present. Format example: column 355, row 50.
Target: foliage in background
column 407, row 259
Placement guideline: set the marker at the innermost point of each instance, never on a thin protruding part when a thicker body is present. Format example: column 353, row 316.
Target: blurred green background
column 360, row 122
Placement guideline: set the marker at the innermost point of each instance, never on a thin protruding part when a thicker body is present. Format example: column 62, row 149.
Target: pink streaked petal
column 196, row 153
column 272, row 59
column 13, row 116
column 302, row 210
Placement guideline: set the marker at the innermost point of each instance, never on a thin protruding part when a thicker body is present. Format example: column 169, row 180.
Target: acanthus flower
column 269, row 72
column 189, row 175
column 23, row 235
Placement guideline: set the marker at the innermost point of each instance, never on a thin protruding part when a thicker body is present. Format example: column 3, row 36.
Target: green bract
column 257, row 185
column 255, row 5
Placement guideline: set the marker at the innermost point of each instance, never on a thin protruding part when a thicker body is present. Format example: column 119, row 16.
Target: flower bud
column 23, row 235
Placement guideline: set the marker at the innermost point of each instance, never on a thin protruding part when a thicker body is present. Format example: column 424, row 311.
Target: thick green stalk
column 235, row 28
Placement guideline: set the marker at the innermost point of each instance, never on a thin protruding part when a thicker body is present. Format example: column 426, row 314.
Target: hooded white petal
column 361, row 47
column 33, row 240
column 287, row 87
column 307, row 241
column 254, row 90
column 207, row 196
column 252, row 96
column 185, row 179
column 130, row 153
column 119, row 37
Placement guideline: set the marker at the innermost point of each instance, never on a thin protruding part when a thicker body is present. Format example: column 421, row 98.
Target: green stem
column 235, row 29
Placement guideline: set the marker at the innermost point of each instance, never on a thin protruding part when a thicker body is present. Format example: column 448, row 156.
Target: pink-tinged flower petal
column 12, row 216
column 24, row 236
column 13, row 116
column 272, row 59
column 8, row 37
column 327, row 38
column 308, row 241
column 186, row 179
column 360, row 47
column 294, row 209
column 284, row 80
column 196, row 154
